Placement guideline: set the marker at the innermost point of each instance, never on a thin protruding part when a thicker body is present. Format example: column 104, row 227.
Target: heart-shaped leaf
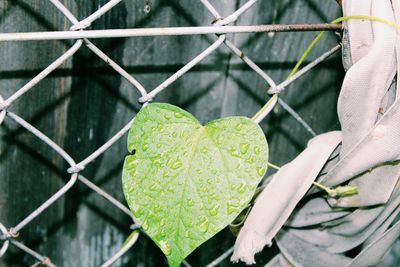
column 185, row 182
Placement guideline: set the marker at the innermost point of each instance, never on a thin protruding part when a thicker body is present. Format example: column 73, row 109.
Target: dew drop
column 190, row 202
column 238, row 127
column 162, row 222
column 250, row 160
column 139, row 212
column 145, row 147
column 257, row 150
column 203, row 224
column 165, row 175
column 234, row 153
column 157, row 208
column 158, row 145
column 244, row 147
column 154, row 187
column 212, row 198
column 157, row 159
column 133, row 163
column 199, row 171
column 241, row 188
column 167, row 116
column 177, row 164
column 165, row 247
column 214, row 171
column 233, row 207
column 239, row 166
column 178, row 115
column 214, row 210
column 209, row 181
column 145, row 225
column 174, row 134
column 203, row 187
column 187, row 233
column 260, row 171
column 171, row 189
column 162, row 233
column 160, row 128
column 204, row 150
column 220, row 140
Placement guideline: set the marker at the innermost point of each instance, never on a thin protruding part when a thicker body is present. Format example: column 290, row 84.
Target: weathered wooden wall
column 84, row 102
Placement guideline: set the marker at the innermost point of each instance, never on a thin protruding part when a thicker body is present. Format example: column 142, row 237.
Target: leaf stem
column 337, row 192
column 323, row 187
column 273, row 166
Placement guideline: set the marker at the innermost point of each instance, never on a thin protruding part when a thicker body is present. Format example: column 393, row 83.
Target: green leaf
column 185, row 182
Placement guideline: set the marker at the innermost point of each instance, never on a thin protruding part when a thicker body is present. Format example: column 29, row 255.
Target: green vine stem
column 311, row 46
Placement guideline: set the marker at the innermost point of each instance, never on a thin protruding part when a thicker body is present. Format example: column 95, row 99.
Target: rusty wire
column 77, row 31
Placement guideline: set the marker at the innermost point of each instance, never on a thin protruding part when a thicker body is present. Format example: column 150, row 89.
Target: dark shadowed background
column 84, row 102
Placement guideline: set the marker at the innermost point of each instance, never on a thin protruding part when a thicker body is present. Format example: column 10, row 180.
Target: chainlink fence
column 220, row 27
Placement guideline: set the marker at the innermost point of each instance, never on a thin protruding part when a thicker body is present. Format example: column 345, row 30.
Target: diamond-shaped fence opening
column 68, row 174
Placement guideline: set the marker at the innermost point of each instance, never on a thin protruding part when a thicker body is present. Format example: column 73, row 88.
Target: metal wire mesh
column 78, row 32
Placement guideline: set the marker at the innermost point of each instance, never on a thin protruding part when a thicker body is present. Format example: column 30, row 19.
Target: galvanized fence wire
column 77, row 31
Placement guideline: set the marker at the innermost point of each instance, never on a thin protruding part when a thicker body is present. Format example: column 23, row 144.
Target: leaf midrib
column 186, row 177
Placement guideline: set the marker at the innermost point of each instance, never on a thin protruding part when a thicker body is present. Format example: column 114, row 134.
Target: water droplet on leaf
column 203, row 224
column 190, row 202
column 219, row 140
column 234, row 153
column 177, row 164
column 250, row 159
column 157, row 208
column 171, row 189
column 242, row 188
column 212, row 198
column 178, row 115
column 139, row 212
column 165, row 247
column 214, row 210
column 145, row 147
column 154, row 187
column 162, row 233
column 145, row 225
column 233, row 207
column 244, row 147
column 260, row 171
